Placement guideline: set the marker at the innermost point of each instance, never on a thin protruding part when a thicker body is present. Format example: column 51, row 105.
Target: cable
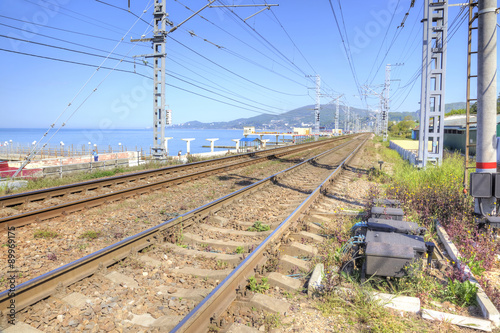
column 228, row 70
column 34, row 149
column 232, row 99
column 59, row 39
column 128, row 11
column 66, row 30
column 68, row 61
column 66, row 49
column 349, row 58
column 396, row 34
column 233, row 53
column 270, row 46
column 237, row 38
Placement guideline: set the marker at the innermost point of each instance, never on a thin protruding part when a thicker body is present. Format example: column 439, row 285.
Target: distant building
column 302, row 130
column 454, row 133
column 247, row 130
column 337, row 131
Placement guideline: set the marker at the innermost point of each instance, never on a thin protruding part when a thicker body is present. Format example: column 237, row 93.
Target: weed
column 45, row 234
column 240, row 250
column 90, row 235
column 377, row 175
column 83, row 246
column 255, row 286
column 221, row 264
column 259, row 226
column 460, row 293
column 476, row 266
column 272, row 320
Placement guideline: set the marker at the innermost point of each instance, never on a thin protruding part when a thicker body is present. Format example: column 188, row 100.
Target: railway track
column 181, row 260
column 76, row 197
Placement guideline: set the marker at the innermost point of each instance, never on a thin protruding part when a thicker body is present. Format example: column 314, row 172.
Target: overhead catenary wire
column 230, row 71
column 349, row 57
column 35, row 146
column 68, row 31
column 270, row 46
column 239, row 39
column 453, row 28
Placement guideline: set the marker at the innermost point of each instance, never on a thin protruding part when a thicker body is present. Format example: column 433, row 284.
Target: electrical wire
column 238, row 39
column 230, row 71
column 35, row 146
column 349, row 57
column 66, row 30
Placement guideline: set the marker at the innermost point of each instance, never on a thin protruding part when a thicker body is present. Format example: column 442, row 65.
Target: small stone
column 60, row 318
column 262, row 328
column 144, row 273
column 73, row 323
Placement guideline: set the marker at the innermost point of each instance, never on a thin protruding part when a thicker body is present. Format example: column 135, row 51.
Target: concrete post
column 237, row 144
column 212, row 144
column 486, row 94
column 188, row 145
column 166, row 145
column 264, row 143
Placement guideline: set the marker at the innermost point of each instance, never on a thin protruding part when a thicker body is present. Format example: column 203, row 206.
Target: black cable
column 70, row 31
column 228, row 91
column 383, row 41
column 237, row 38
column 270, row 45
column 231, row 99
column 65, row 41
column 128, row 11
column 131, row 72
column 230, row 71
column 71, row 62
column 213, row 99
column 69, row 50
column 349, row 59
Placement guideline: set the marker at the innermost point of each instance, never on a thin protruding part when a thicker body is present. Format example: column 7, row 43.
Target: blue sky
column 262, row 63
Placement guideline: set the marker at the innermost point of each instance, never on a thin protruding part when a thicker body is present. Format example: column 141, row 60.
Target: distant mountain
column 300, row 117
column 304, row 117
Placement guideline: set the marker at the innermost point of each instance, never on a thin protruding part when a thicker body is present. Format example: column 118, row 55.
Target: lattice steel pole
column 432, row 99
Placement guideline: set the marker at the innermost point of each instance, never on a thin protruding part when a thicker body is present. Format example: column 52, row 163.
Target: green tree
column 403, row 128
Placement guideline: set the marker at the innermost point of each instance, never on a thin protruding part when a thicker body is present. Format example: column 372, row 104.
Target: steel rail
column 221, row 297
column 37, row 195
column 31, row 291
column 39, row 215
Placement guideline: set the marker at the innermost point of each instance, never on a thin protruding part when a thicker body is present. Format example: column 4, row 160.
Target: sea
column 126, row 139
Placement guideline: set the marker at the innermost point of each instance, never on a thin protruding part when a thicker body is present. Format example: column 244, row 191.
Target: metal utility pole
column 337, row 117
column 318, row 103
column 432, row 101
column 347, row 119
column 159, row 49
column 385, row 103
column 486, row 157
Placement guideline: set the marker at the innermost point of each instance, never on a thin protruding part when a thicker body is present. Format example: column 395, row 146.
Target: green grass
column 44, row 233
column 90, row 235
